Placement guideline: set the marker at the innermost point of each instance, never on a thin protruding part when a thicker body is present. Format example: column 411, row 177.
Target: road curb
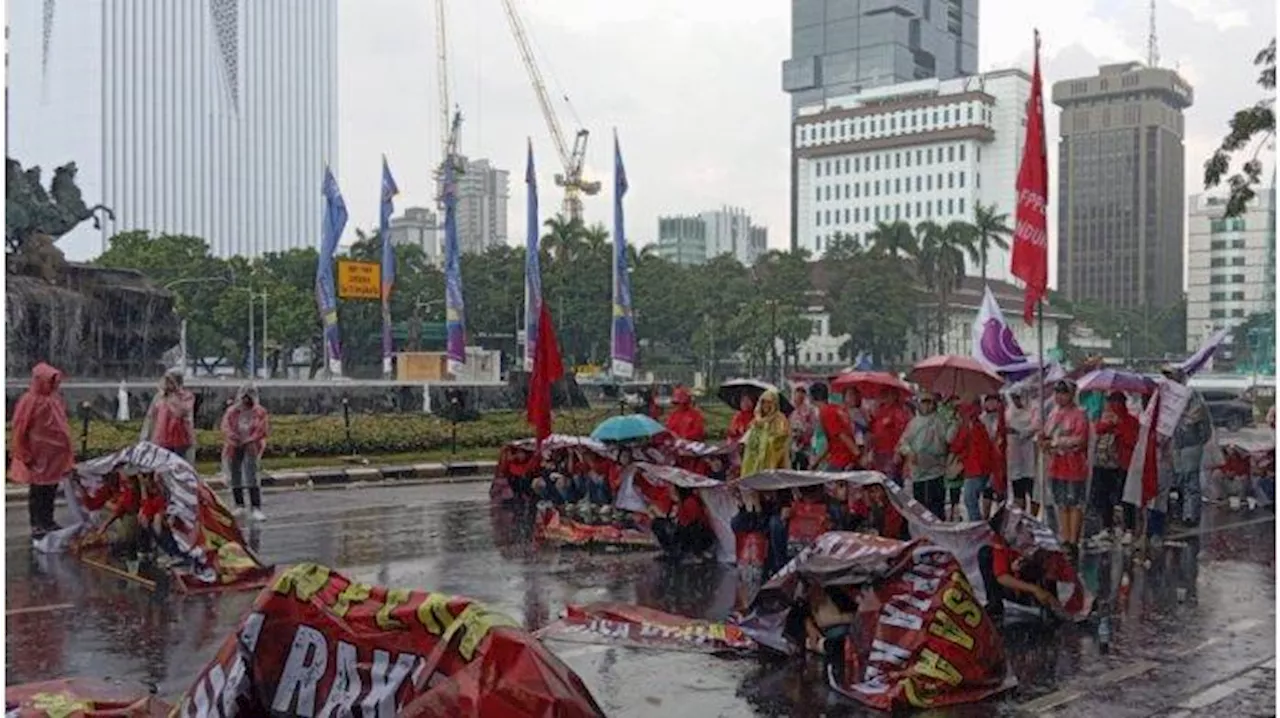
column 339, row 475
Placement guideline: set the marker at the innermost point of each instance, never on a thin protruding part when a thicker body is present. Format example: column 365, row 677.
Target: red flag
column 1031, row 229
column 547, row 368
column 1150, row 459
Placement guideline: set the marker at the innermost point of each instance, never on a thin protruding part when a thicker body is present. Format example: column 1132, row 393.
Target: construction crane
column 573, row 158
column 449, row 130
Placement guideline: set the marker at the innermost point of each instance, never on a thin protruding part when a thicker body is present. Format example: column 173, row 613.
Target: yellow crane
column 573, row 158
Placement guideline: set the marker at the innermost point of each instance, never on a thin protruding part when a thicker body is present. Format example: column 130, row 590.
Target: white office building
column 1231, row 263
column 213, row 118
column 707, row 235
column 915, row 151
column 418, row 226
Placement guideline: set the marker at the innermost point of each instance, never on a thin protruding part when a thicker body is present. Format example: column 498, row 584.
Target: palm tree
column 990, row 230
column 941, row 263
column 893, row 239
column 564, row 237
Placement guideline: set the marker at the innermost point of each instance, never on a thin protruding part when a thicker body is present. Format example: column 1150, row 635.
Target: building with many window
column 928, row 150
column 695, row 239
column 483, row 191
column 418, row 226
column 1121, row 186
column 213, row 118
column 1231, row 266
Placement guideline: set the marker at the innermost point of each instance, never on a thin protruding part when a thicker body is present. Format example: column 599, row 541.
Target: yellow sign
column 359, row 280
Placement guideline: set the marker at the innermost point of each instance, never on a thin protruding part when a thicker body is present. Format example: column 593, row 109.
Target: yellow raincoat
column 768, row 443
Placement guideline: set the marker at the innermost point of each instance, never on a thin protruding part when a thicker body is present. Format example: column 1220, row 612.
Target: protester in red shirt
column 1065, row 441
column 887, row 424
column 841, row 453
column 1009, row 575
column 741, row 422
column 1117, row 432
column 680, row 524
column 807, row 518
column 972, row 446
column 685, row 420
column 998, row 432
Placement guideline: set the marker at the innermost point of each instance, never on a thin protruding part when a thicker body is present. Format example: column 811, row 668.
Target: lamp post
column 182, row 339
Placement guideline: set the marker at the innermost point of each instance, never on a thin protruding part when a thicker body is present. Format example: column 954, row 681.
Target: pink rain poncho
column 40, row 452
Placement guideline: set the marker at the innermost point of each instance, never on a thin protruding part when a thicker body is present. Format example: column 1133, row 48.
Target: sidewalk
column 338, row 475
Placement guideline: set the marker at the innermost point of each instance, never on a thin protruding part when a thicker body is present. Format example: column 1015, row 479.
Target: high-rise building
column 418, row 226
column 841, row 47
column 1231, row 269
column 928, row 150
column 844, row 47
column 1121, row 186
column 213, row 118
column 695, row 239
column 482, row 206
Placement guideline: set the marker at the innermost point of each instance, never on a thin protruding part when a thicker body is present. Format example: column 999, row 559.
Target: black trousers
column 40, row 500
column 1108, row 486
column 933, row 495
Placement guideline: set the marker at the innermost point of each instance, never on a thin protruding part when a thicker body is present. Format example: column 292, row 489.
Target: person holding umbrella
column 768, row 440
column 1065, row 441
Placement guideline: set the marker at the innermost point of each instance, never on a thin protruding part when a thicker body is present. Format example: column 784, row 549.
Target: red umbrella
column 950, row 375
column 869, row 382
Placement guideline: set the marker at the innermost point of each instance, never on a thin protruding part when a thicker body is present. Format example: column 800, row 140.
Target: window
column 877, row 188
column 866, row 189
column 1218, row 262
column 817, row 169
column 919, row 154
column 968, row 116
column 917, row 183
column 1218, row 244
column 962, row 153
column 1237, row 296
column 857, row 214
column 950, row 206
column 837, row 166
column 819, row 193
column 831, row 357
column 1237, row 312
column 893, row 123
column 897, row 160
column 846, row 165
column 908, row 154
column 877, row 213
column 846, row 215
column 1217, row 225
column 897, row 185
column 817, row 218
column 827, row 170
column 1235, row 224
column 977, row 157
column 977, row 180
column 897, row 211
column 828, row 192
column 928, row 182
column 1217, row 313
column 951, row 180
column 1237, row 261
column 946, row 115
column 917, row 207
column 846, row 190
column 877, row 162
column 857, row 164
column 1237, row 279
column 857, row 189
column 826, row 217
column 908, row 210
column 951, row 153
column 962, row 179
column 1218, row 279
column 882, row 124
column 935, row 117
column 930, row 155
column 939, row 208
column 962, row 205
column 1219, row 296
column 1237, row 244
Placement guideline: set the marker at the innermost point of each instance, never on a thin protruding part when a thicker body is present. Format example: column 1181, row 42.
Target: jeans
column 971, row 493
column 244, row 475
column 40, row 498
column 1188, row 485
column 1108, row 485
column 598, row 492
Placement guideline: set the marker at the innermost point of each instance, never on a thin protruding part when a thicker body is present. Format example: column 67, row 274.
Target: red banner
column 317, row 643
column 637, row 626
column 81, row 698
column 556, row 528
column 919, row 639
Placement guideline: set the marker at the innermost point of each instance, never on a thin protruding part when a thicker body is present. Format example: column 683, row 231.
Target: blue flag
column 385, row 209
column 335, row 220
column 623, row 344
column 455, row 311
column 532, row 265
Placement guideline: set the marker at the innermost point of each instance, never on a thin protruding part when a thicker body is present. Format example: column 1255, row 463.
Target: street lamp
column 182, row 340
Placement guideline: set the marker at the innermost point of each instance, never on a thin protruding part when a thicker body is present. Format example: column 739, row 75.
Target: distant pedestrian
column 40, row 453
column 170, row 420
column 1065, row 441
column 245, row 427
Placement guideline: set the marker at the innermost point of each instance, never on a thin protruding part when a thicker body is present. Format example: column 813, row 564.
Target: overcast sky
column 693, row 89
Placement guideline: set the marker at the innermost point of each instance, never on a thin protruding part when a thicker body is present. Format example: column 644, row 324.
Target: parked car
column 1228, row 409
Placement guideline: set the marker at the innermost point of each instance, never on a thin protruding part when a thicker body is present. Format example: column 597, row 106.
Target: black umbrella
column 731, row 393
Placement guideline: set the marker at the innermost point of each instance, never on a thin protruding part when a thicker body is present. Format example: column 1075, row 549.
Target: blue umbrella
column 628, row 427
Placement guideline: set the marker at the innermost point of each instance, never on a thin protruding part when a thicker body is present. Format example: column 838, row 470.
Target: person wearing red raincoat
column 1117, row 432
column 244, row 429
column 685, row 420
column 888, row 422
column 972, row 446
column 40, row 450
column 742, row 420
column 170, row 420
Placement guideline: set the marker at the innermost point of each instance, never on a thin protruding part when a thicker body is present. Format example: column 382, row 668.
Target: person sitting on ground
column 1007, row 574
column 841, row 514
column 680, row 524
column 547, row 490
column 821, row 619
column 882, row 517
column 518, row 468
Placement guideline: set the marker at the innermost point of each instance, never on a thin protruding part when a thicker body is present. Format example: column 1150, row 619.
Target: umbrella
column 1109, row 380
column 869, row 382
column 627, row 427
column 731, row 393
column 952, row 375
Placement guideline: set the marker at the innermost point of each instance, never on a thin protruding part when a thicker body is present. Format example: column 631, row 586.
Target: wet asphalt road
column 1211, row 654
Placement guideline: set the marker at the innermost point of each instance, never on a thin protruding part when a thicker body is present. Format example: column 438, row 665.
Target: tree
column 990, row 230
column 873, row 299
column 1257, row 120
column 943, row 251
column 893, row 239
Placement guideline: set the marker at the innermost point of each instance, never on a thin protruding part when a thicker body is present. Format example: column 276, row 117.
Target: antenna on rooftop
column 1153, row 42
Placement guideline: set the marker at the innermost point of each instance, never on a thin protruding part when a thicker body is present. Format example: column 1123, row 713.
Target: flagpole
column 1040, row 398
